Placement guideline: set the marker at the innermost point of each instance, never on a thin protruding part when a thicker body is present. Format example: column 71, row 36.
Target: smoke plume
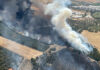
column 60, row 13
column 64, row 59
column 16, row 13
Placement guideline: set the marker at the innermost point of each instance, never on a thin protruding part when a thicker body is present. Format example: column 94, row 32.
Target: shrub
column 96, row 15
column 95, row 54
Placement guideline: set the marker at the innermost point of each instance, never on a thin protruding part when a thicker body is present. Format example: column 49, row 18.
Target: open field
column 93, row 38
column 17, row 48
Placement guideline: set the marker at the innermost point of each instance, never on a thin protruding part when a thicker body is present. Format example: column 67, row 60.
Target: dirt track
column 19, row 49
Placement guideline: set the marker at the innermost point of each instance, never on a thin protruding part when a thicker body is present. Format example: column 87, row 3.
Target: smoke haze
column 60, row 13
column 64, row 59
column 12, row 15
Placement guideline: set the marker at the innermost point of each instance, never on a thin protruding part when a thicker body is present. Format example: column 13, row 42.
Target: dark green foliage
column 92, row 26
column 79, row 26
column 96, row 15
column 95, row 54
column 33, row 61
column 96, row 4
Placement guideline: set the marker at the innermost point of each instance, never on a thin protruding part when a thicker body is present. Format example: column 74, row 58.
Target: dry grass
column 93, row 38
column 19, row 49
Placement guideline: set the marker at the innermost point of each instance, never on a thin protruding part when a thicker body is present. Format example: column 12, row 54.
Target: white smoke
column 60, row 13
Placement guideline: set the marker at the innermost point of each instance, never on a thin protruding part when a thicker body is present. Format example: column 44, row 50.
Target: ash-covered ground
column 19, row 16
column 57, row 58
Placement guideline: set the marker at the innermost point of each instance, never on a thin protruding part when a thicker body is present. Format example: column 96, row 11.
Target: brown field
column 93, row 38
column 19, row 49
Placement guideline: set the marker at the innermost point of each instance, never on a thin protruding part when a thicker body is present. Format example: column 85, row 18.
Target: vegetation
column 96, row 15
column 78, row 3
column 33, row 61
column 92, row 26
column 95, row 54
column 4, row 59
column 96, row 4
column 79, row 26
column 11, row 34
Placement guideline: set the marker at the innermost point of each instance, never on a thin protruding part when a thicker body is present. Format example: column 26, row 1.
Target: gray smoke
column 19, row 17
column 8, row 9
column 60, row 13
column 12, row 12
column 64, row 59
column 16, row 13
